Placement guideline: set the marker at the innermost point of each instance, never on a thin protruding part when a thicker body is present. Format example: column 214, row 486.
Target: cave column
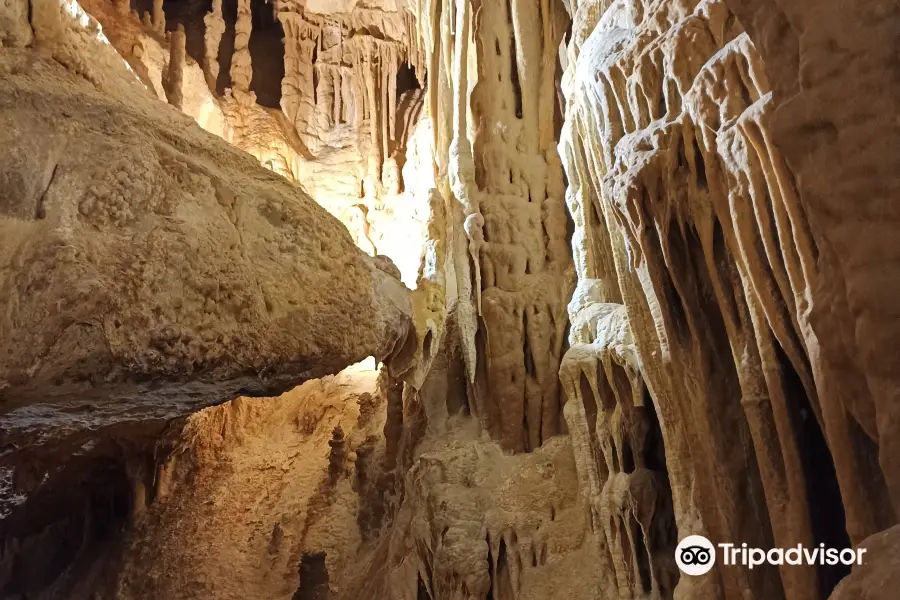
column 298, row 85
column 159, row 17
column 241, row 67
column 215, row 28
column 369, row 72
column 336, row 85
column 174, row 79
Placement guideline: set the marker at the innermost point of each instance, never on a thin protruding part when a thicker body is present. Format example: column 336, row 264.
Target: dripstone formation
column 619, row 272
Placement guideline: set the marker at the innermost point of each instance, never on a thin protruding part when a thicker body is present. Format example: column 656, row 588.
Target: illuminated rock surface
column 651, row 257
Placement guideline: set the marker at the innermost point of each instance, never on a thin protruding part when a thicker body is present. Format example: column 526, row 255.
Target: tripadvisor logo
column 696, row 555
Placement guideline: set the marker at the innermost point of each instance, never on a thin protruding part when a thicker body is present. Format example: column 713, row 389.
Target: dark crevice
column 826, row 508
column 40, row 212
column 426, row 344
column 678, row 263
column 530, row 371
column 406, row 80
column 514, row 79
column 590, row 413
column 72, row 520
column 313, row 577
column 226, row 46
column 700, row 165
column 642, row 556
column 422, row 590
column 627, row 458
column 266, row 54
column 680, row 154
column 654, row 451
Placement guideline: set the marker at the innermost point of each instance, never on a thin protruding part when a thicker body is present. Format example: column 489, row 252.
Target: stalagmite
column 609, row 273
column 174, row 74
column 159, row 17
column 215, row 28
column 241, row 67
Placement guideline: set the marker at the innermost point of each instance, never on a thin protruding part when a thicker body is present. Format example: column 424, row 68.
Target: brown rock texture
column 695, row 228
column 651, row 253
column 333, row 104
column 149, row 268
column 879, row 576
column 274, row 490
column 495, row 115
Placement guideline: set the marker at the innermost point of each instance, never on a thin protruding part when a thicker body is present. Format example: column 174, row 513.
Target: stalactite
column 687, row 215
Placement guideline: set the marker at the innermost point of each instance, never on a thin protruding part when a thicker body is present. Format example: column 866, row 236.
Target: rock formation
column 649, row 272
column 150, row 269
column 693, row 221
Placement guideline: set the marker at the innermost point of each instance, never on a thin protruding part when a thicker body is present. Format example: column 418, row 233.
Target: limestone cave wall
column 328, row 96
column 650, row 277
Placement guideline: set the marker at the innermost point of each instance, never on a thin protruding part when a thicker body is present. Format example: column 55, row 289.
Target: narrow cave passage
column 267, row 54
column 189, row 14
column 826, row 508
column 226, row 46
column 587, row 185
column 313, row 577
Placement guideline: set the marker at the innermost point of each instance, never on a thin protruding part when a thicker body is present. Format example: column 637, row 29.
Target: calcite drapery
column 350, row 104
column 729, row 369
column 495, row 112
column 343, row 69
column 688, row 215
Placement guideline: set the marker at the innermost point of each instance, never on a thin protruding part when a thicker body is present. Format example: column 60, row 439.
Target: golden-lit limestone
column 148, row 53
column 343, row 130
column 481, row 523
column 214, row 30
column 688, row 215
column 493, row 105
column 728, row 305
column 283, row 476
column 164, row 258
column 174, row 71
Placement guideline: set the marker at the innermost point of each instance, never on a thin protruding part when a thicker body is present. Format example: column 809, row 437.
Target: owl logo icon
column 695, row 555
